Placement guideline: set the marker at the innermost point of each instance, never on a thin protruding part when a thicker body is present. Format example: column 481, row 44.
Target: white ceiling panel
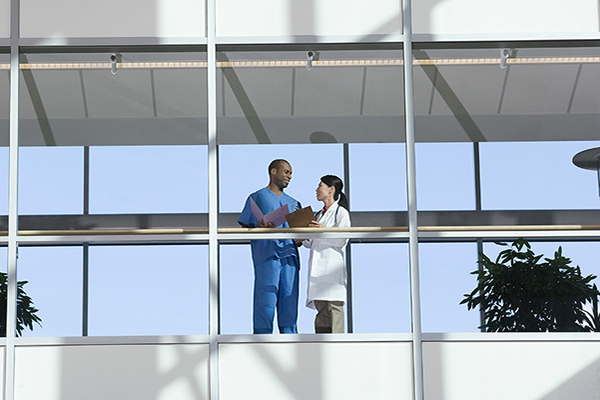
column 4, row 94
column 423, row 92
column 126, row 94
column 51, row 94
column 180, row 92
column 475, row 89
column 257, row 91
column 384, row 91
column 539, row 89
column 328, row 91
column 587, row 94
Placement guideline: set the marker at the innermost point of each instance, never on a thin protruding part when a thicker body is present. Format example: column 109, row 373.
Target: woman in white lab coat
column 326, row 267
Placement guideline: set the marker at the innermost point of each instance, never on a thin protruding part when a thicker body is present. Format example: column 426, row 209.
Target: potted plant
column 523, row 292
column 26, row 312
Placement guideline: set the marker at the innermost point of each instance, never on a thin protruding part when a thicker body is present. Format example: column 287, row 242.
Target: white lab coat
column 326, row 267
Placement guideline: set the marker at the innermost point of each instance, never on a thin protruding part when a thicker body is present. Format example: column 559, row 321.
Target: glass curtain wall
column 104, row 150
column 114, row 148
column 323, row 117
column 495, row 152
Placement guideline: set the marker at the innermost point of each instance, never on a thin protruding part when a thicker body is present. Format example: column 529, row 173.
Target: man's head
column 280, row 173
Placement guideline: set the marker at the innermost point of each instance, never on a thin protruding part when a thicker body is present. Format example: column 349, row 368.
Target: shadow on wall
column 534, row 370
column 422, row 11
column 304, row 14
column 585, row 385
column 271, row 371
column 159, row 372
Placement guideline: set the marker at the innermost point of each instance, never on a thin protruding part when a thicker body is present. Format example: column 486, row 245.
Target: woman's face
column 323, row 191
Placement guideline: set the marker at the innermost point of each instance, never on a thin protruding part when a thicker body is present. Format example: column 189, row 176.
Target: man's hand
column 261, row 224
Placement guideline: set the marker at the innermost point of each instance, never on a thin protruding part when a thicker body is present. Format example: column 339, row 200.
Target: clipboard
column 300, row 218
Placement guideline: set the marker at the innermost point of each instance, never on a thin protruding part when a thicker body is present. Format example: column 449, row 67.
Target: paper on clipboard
column 277, row 216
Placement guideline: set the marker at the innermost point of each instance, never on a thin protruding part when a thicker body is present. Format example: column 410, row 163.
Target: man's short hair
column 276, row 164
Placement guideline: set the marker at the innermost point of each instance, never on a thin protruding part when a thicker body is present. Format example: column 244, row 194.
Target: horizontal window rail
column 356, row 229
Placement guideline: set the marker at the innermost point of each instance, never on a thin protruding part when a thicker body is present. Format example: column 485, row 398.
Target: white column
column 413, row 244
column 13, row 226
column 213, row 200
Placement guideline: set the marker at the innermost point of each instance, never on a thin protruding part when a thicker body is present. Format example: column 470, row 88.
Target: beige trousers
column 330, row 316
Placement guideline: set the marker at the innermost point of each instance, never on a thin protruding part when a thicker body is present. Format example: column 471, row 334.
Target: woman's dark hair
column 332, row 180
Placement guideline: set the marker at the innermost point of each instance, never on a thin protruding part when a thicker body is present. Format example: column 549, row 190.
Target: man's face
column 282, row 175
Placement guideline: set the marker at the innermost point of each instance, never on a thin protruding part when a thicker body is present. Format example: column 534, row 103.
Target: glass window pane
column 148, row 179
column 55, row 285
column 445, row 275
column 148, row 290
column 378, row 177
column 95, row 142
column 536, row 175
column 237, row 280
column 51, row 180
column 445, row 176
column 381, row 289
column 582, row 254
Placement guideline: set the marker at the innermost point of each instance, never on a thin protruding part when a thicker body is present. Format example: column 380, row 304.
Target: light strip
column 321, row 63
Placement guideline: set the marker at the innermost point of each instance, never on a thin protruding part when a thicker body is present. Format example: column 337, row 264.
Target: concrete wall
column 112, row 18
column 355, row 20
column 461, row 367
column 100, row 372
column 504, row 17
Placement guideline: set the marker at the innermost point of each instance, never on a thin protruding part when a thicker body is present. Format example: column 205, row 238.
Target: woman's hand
column 315, row 224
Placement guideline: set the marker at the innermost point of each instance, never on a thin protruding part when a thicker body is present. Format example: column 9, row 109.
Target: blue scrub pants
column 276, row 286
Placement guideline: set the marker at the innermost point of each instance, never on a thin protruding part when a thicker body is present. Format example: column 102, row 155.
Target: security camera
column 114, row 58
column 310, row 57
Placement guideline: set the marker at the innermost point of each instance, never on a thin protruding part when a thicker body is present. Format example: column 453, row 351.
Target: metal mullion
column 13, row 227
column 413, row 244
column 86, row 288
column 349, row 308
column 477, row 167
column 213, row 208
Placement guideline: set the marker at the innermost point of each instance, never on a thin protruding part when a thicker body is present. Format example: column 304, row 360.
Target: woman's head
column 332, row 185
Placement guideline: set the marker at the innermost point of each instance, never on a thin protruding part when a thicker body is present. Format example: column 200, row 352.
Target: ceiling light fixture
column 589, row 159
column 315, row 63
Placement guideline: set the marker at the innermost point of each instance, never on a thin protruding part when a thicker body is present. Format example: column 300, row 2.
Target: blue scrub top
column 267, row 201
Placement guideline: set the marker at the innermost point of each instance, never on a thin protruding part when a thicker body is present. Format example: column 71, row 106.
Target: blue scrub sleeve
column 247, row 217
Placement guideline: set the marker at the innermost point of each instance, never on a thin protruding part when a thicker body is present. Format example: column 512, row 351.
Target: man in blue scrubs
column 276, row 262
